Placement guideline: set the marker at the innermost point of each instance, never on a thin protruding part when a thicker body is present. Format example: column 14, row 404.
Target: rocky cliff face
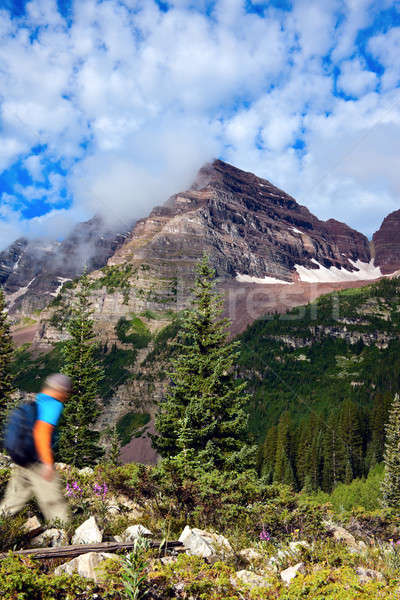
column 32, row 272
column 246, row 225
column 387, row 244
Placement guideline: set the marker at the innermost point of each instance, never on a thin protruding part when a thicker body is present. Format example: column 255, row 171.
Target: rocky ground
column 311, row 558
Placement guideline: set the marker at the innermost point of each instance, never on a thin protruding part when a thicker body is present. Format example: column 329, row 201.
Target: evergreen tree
column 6, row 354
column 203, row 416
column 114, row 449
column 78, row 443
column 268, row 454
column 391, row 481
column 283, row 469
column 334, row 455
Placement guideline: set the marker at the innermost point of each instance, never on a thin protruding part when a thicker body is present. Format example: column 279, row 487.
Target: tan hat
column 59, row 382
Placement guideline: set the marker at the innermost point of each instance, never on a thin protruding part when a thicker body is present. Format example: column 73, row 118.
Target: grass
column 131, row 425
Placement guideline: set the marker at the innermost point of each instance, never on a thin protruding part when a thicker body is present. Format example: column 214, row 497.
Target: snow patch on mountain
column 266, row 280
column 364, row 272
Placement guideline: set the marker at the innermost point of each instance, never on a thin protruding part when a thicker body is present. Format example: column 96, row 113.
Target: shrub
column 21, row 579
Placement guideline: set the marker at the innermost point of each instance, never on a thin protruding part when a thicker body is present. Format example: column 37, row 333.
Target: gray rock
column 87, row 533
column 33, row 526
column 205, row 544
column 87, row 565
column 289, row 574
column 51, row 538
column 250, row 579
column 342, row 535
column 250, row 555
column 134, row 532
column 366, row 575
column 86, row 471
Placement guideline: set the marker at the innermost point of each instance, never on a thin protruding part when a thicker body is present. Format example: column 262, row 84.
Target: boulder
column 289, row 574
column 87, row 565
column 366, row 575
column 32, row 526
column 87, row 533
column 249, row 578
column 205, row 544
column 134, row 532
column 51, row 538
column 86, row 471
column 250, row 555
column 342, row 535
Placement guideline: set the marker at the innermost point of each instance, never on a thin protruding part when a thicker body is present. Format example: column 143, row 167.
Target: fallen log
column 77, row 550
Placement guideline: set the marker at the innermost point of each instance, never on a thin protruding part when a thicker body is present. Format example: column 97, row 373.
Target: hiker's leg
column 50, row 498
column 18, row 492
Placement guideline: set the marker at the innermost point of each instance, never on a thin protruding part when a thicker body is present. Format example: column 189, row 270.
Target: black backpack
column 18, row 434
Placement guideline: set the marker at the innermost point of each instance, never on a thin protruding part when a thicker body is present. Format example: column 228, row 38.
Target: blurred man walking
column 38, row 477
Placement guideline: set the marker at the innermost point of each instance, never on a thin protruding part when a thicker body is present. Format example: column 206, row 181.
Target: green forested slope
column 322, row 378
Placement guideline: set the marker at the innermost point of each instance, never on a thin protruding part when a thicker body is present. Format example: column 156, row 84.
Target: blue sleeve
column 50, row 412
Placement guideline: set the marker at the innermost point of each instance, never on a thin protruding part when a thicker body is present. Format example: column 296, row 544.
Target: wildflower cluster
column 100, row 490
column 264, row 535
column 73, row 490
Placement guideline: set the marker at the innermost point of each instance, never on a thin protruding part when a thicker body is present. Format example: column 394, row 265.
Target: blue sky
column 111, row 106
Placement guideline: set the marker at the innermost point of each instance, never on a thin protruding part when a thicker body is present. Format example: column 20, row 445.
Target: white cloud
column 355, row 79
column 130, row 100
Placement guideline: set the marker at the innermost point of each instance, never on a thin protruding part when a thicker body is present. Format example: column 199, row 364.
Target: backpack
column 18, row 434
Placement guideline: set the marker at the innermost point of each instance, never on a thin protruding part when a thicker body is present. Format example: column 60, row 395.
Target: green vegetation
column 341, row 351
column 6, row 355
column 203, row 419
column 391, row 481
column 131, row 425
column 115, row 364
column 133, row 331
column 116, row 277
column 29, row 372
column 78, row 443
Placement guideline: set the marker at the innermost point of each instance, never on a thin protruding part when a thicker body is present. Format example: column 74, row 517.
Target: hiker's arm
column 42, row 433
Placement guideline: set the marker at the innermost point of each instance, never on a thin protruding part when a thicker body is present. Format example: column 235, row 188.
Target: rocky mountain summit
column 249, row 228
column 32, row 271
column 387, row 244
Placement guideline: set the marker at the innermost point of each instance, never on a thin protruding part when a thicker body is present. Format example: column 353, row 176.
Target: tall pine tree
column 203, row 417
column 391, row 481
column 6, row 354
column 283, row 468
column 78, row 443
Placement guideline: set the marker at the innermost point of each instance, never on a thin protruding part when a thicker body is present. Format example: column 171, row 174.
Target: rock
column 134, row 532
column 61, row 466
column 87, row 533
column 289, row 574
column 387, row 245
column 86, row 471
column 5, row 460
column 342, row 535
column 33, row 526
column 366, row 575
column 168, row 560
column 250, row 555
column 136, row 511
column 87, row 565
column 205, row 544
column 112, row 506
column 294, row 548
column 250, row 579
column 297, row 546
column 51, row 538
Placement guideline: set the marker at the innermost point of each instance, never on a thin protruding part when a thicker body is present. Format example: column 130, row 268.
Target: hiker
column 39, row 478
